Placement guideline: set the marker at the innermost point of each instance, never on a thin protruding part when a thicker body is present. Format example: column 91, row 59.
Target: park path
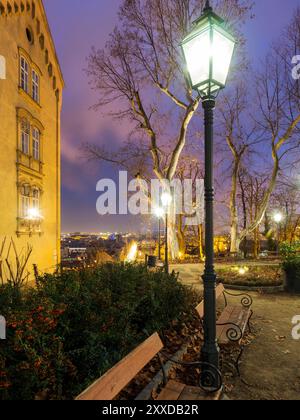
column 271, row 363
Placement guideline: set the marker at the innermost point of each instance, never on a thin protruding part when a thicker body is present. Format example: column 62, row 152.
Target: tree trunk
column 235, row 243
column 256, row 246
column 172, row 234
column 235, row 240
column 181, row 236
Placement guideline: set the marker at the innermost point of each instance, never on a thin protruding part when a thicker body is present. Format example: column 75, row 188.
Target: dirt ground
column 271, row 363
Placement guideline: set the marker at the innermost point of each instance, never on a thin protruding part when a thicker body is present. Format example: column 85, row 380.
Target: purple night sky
column 76, row 26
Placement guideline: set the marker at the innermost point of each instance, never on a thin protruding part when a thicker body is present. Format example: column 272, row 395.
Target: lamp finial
column 207, row 7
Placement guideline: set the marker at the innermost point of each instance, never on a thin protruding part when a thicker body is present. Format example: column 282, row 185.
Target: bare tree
column 242, row 137
column 140, row 76
column 13, row 265
column 286, row 200
column 277, row 117
column 190, row 168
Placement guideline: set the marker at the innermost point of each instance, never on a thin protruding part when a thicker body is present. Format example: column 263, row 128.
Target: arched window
column 25, row 201
column 24, row 76
column 35, row 86
column 36, row 143
column 25, row 136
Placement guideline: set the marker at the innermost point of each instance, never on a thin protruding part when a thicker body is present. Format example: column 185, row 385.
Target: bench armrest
column 212, row 374
column 234, row 333
column 246, row 300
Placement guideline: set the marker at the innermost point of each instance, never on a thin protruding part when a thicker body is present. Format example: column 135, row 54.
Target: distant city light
column 132, row 254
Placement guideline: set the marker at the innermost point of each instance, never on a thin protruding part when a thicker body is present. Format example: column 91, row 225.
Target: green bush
column 291, row 266
column 72, row 327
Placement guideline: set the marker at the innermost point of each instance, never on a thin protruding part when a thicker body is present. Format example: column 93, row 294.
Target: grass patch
column 263, row 276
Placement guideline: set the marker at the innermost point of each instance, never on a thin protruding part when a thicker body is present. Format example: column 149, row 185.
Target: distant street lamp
column 278, row 218
column 159, row 213
column 166, row 200
column 208, row 51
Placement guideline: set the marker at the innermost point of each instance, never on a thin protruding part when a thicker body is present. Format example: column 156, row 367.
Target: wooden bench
column 109, row 386
column 233, row 321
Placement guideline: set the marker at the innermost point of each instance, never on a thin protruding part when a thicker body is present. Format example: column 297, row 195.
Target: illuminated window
column 25, row 201
column 35, row 86
column 24, row 75
column 25, row 137
column 36, row 143
column 36, row 199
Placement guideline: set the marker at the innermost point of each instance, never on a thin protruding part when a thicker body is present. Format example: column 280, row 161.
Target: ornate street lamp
column 208, row 51
column 166, row 200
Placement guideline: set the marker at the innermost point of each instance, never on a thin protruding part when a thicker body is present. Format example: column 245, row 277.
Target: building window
column 35, row 86
column 25, row 201
column 24, row 74
column 25, row 137
column 36, row 200
column 29, row 35
column 36, row 143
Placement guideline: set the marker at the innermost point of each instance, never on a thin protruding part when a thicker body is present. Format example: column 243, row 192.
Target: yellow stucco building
column 31, row 85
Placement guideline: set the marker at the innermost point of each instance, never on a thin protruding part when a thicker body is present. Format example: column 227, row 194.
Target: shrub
column 72, row 327
column 291, row 266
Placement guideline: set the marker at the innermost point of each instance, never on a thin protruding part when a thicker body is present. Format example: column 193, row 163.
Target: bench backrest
column 117, row 378
column 219, row 291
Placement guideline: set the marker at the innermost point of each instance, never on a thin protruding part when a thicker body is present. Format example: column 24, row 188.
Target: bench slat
column 117, row 378
column 235, row 315
column 175, row 391
column 200, row 308
column 192, row 393
column 171, row 392
column 224, row 318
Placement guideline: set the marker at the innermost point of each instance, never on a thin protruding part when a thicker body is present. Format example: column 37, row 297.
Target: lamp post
column 159, row 213
column 208, row 51
column 166, row 200
column 278, row 217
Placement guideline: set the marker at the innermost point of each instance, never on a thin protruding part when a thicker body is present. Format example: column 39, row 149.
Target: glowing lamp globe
column 278, row 217
column 208, row 51
column 159, row 212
